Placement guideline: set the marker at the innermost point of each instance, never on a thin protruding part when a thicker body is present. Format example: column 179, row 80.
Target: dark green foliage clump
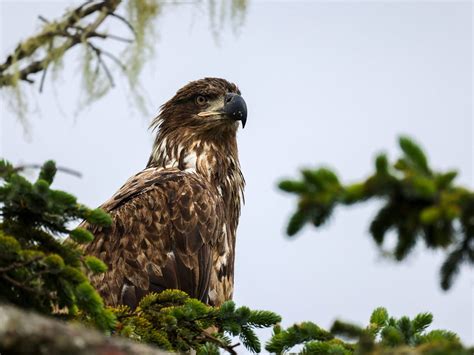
column 383, row 335
column 175, row 322
column 419, row 203
column 37, row 270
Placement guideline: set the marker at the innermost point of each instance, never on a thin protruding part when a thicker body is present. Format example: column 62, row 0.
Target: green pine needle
column 381, row 164
column 99, row 217
column 48, row 171
column 421, row 322
column 415, row 154
column 81, row 235
column 95, row 265
column 297, row 221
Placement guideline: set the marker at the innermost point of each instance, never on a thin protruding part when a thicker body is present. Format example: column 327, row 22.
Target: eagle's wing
column 166, row 223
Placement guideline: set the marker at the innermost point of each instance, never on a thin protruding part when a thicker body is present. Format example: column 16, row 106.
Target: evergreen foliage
column 418, row 204
column 175, row 322
column 37, row 270
column 40, row 272
column 383, row 335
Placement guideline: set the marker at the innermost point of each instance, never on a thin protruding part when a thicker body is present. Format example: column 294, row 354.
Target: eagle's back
column 168, row 231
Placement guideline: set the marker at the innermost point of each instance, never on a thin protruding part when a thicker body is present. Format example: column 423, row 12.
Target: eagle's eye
column 201, row 100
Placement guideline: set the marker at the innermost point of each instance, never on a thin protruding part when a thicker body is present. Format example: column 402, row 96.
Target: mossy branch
column 56, row 38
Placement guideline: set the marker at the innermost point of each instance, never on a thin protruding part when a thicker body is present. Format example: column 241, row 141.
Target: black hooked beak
column 235, row 108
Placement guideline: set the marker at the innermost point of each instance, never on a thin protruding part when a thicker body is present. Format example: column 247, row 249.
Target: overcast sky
column 326, row 83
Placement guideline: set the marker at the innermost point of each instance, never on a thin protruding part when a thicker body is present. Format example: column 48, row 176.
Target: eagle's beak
column 234, row 108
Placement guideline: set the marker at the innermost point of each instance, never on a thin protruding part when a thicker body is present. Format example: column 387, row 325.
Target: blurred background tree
column 418, row 204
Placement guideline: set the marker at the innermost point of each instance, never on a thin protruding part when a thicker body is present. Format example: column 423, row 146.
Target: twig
column 98, row 53
column 108, row 54
column 117, row 38
column 98, row 34
column 84, row 4
column 97, row 68
column 43, row 76
column 40, row 273
column 228, row 348
column 19, row 264
column 125, row 21
column 107, row 71
column 115, row 59
column 18, row 284
column 38, row 166
column 44, row 19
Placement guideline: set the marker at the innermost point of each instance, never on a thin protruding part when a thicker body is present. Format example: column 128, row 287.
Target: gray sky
column 326, row 83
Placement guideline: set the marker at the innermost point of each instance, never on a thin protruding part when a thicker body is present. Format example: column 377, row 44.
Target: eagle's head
column 209, row 105
column 199, row 124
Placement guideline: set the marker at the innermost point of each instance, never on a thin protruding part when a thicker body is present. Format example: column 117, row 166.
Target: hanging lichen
column 223, row 12
column 93, row 80
column 140, row 14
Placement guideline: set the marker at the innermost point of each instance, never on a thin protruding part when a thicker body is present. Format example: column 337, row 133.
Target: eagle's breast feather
column 168, row 231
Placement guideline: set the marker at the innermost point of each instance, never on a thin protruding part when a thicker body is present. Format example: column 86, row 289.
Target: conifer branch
column 418, row 204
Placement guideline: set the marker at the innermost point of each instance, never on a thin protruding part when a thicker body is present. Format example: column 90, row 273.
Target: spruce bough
column 37, row 270
column 383, row 335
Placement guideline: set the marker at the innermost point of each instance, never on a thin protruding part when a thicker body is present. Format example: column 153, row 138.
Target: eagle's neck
column 215, row 158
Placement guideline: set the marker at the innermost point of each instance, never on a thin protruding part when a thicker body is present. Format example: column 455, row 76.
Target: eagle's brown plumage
column 174, row 223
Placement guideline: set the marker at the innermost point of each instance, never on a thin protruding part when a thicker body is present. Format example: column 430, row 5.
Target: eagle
column 174, row 223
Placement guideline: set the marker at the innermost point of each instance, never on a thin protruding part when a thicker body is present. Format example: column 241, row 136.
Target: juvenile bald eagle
column 174, row 223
